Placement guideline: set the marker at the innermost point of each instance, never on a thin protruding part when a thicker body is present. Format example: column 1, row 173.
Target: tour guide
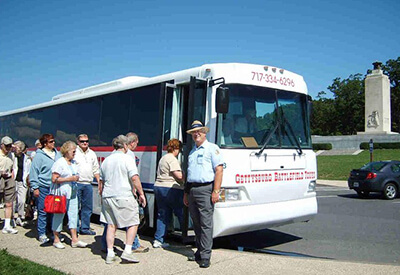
column 202, row 190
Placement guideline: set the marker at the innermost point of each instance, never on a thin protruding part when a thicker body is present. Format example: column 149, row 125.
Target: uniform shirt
column 168, row 164
column 87, row 164
column 116, row 172
column 202, row 162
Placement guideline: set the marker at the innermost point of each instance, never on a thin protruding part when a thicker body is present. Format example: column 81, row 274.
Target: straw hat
column 197, row 126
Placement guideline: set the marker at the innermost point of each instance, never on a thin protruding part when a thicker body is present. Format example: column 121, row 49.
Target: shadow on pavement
column 259, row 241
column 371, row 196
column 254, row 240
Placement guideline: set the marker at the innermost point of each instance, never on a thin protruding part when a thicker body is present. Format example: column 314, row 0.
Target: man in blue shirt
column 202, row 190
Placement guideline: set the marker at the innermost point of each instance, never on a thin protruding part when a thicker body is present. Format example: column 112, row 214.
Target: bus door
column 181, row 105
column 195, row 109
column 170, row 126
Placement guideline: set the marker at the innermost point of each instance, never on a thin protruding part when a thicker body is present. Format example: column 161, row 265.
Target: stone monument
column 377, row 102
column 377, row 116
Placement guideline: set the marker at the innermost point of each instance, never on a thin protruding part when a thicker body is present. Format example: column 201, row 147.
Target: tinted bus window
column 26, row 127
column 114, row 116
column 144, row 115
column 67, row 121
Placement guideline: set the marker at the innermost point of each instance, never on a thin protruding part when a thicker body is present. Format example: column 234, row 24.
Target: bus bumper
column 234, row 220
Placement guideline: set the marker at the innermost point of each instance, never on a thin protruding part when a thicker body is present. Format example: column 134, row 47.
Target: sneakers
column 19, row 222
column 158, row 244
column 1, row 205
column 59, row 245
column 129, row 257
column 141, row 249
column 43, row 239
column 9, row 230
column 111, row 259
column 79, row 244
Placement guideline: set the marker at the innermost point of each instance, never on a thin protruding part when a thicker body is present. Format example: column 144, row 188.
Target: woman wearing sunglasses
column 40, row 180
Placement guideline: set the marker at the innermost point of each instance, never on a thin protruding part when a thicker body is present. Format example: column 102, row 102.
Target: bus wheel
column 144, row 220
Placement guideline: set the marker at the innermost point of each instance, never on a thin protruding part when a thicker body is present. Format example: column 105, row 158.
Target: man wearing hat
column 205, row 170
column 6, row 175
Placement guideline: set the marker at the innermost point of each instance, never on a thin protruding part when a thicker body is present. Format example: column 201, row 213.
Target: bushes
column 321, row 146
column 381, row 145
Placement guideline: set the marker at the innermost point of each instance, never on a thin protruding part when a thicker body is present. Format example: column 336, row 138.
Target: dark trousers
column 201, row 211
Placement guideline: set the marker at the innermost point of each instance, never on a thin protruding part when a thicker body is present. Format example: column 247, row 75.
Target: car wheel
column 390, row 191
column 363, row 194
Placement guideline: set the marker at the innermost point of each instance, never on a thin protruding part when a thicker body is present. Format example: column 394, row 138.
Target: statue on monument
column 377, row 65
column 373, row 120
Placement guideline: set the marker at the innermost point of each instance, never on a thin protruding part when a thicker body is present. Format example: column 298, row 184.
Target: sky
column 51, row 47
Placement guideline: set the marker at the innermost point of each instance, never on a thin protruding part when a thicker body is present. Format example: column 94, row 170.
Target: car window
column 374, row 166
column 395, row 168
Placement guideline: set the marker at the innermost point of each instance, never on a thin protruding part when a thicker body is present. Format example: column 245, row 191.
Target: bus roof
column 219, row 69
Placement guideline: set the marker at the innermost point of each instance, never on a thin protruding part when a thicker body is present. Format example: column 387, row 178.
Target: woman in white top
column 168, row 190
column 64, row 174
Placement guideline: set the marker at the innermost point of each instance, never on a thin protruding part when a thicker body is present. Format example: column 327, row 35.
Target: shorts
column 122, row 212
column 9, row 189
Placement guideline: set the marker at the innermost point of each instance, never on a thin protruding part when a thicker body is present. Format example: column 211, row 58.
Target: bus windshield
column 263, row 117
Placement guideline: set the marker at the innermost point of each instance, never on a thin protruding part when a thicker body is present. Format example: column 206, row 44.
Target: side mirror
column 309, row 105
column 222, row 100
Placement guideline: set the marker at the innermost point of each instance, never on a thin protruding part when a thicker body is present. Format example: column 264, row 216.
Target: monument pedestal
column 377, row 133
column 377, row 102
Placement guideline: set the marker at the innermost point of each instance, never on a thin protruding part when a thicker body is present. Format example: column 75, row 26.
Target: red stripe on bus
column 138, row 149
column 110, row 149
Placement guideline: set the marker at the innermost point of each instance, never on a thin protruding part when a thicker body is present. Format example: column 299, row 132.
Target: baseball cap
column 6, row 140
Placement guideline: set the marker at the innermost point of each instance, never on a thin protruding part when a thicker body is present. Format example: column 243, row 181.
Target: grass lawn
column 339, row 167
column 10, row 265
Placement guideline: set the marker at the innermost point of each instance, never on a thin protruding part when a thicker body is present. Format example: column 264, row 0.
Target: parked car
column 378, row 176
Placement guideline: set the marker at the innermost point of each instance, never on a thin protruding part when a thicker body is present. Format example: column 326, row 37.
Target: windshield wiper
column 268, row 138
column 298, row 149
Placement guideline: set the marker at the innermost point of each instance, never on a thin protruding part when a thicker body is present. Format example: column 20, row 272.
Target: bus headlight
column 311, row 186
column 231, row 194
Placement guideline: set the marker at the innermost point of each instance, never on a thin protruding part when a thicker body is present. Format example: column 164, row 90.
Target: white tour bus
column 257, row 114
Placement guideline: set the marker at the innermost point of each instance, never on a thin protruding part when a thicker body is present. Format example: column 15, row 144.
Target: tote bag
column 55, row 203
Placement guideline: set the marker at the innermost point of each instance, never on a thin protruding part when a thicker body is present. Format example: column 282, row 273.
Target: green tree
column 344, row 113
column 349, row 103
column 322, row 114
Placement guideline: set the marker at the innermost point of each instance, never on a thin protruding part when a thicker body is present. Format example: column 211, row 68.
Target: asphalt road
column 346, row 228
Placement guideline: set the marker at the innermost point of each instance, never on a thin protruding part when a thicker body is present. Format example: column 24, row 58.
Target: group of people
column 25, row 178
column 71, row 170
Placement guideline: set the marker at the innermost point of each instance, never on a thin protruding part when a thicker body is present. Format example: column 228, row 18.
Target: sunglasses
column 52, row 141
column 84, row 141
